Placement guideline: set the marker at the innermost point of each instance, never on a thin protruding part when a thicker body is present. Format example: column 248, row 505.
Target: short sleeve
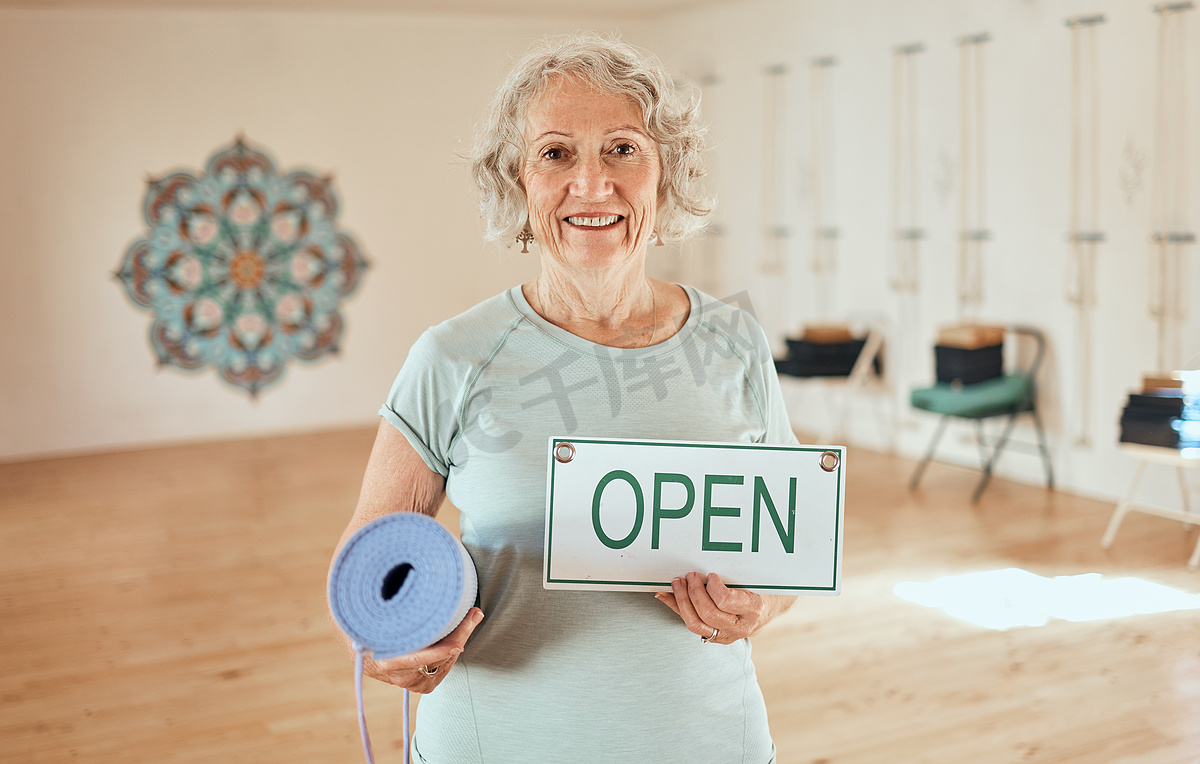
column 779, row 424
column 423, row 402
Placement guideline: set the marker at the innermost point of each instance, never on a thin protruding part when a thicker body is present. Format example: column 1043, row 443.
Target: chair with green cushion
column 1008, row 396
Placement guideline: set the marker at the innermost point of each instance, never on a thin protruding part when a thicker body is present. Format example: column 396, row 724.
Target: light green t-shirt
column 567, row 676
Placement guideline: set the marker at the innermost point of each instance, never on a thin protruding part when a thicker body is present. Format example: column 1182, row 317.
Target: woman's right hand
column 398, row 480
column 409, row 671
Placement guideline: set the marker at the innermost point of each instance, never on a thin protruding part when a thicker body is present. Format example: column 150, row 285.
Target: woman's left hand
column 705, row 604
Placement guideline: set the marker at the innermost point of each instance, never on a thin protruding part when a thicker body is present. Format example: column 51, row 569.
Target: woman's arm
column 705, row 604
column 398, row 480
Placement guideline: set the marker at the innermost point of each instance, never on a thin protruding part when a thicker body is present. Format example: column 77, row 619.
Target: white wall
column 1027, row 128
column 93, row 102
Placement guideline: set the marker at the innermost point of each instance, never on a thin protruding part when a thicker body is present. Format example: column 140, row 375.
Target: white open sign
column 630, row 515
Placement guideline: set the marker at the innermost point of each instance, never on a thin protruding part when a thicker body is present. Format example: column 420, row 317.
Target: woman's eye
column 625, row 148
column 552, row 153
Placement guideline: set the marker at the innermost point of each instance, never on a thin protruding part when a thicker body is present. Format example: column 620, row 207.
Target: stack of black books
column 966, row 354
column 823, row 351
column 1162, row 417
column 968, row 366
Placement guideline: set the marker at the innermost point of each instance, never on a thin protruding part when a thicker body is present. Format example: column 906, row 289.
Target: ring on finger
column 429, row 671
column 710, row 637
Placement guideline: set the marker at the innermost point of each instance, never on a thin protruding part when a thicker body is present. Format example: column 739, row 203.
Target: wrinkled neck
column 613, row 306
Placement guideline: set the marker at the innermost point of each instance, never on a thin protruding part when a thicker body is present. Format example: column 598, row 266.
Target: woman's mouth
column 597, row 221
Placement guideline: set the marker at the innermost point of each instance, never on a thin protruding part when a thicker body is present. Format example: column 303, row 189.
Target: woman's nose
column 591, row 181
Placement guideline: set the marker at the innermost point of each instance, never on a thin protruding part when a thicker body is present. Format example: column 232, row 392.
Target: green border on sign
column 678, row 444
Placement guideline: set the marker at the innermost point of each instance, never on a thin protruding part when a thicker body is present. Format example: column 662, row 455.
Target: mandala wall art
column 243, row 268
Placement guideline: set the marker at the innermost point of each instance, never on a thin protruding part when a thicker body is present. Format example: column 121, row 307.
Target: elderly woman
column 589, row 154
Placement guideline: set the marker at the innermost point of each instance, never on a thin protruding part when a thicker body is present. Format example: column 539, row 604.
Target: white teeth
column 595, row 222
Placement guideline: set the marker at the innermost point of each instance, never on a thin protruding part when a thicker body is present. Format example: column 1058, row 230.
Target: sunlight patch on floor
column 1008, row 598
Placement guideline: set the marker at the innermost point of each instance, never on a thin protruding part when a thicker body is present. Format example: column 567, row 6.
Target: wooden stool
column 1171, row 457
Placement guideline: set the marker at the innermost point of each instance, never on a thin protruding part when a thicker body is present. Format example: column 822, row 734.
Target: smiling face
column 590, row 175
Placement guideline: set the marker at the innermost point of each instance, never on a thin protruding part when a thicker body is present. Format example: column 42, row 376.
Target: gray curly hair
column 669, row 117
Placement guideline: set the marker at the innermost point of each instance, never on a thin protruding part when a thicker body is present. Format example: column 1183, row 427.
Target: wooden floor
column 169, row 606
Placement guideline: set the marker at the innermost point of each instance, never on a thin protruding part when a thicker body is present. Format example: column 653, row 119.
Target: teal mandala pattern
column 243, row 268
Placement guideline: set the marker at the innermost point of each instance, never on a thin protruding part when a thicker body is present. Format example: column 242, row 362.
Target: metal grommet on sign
column 829, row 461
column 564, row 452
